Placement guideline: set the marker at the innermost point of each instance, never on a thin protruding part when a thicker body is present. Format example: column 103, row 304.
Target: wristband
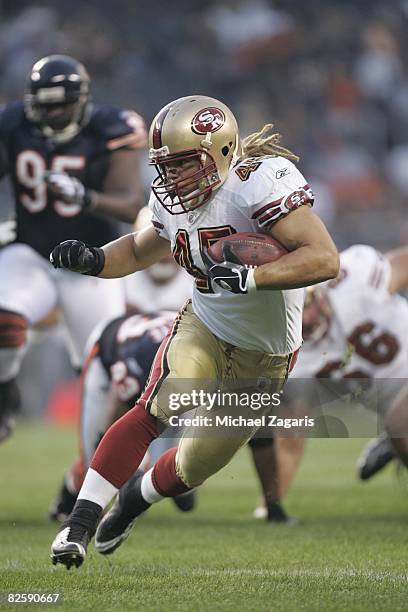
column 99, row 263
column 250, row 282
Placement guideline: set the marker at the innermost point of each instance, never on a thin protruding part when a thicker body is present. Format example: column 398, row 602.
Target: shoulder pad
column 270, row 188
column 119, row 128
column 267, row 169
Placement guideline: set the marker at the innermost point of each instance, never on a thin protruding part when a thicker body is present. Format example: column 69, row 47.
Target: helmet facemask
column 194, row 129
column 61, row 127
column 185, row 193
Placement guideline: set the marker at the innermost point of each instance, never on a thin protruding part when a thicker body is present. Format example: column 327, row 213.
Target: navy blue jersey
column 25, row 155
column 127, row 347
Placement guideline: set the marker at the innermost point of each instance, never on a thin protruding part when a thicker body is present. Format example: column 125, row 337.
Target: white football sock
column 149, row 493
column 97, row 489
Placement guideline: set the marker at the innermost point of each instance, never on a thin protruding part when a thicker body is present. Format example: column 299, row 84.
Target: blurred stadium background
column 331, row 74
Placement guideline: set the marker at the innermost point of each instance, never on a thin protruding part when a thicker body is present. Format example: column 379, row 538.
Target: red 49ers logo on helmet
column 208, row 119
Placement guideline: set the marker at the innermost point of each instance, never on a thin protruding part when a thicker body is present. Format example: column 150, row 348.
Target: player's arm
column 313, row 257
column 121, row 257
column 398, row 259
column 122, row 195
column 133, row 252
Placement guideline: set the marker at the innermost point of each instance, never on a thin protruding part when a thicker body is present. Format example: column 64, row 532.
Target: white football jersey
column 149, row 297
column 257, row 193
column 368, row 333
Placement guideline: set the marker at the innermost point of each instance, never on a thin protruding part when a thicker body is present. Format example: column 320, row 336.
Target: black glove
column 68, row 189
column 232, row 275
column 77, row 256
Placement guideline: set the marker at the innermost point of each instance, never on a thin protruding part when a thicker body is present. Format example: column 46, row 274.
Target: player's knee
column 13, row 329
column 198, row 458
column 192, row 478
column 192, row 473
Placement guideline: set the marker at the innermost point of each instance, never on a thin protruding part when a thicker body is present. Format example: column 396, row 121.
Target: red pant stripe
column 293, row 359
column 159, row 369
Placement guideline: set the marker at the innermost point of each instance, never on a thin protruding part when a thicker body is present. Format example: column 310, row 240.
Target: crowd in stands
column 332, row 76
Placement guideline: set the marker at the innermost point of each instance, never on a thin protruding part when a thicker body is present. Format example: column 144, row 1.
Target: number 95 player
column 242, row 323
column 73, row 164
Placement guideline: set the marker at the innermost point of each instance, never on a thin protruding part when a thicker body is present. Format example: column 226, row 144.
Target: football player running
column 118, row 358
column 72, row 164
column 355, row 329
column 243, row 323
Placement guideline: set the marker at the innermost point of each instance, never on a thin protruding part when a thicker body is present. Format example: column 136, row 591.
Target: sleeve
column 121, row 129
column 367, row 267
column 156, row 210
column 277, row 188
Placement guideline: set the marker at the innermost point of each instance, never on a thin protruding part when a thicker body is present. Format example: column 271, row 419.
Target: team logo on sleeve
column 298, row 198
column 209, row 119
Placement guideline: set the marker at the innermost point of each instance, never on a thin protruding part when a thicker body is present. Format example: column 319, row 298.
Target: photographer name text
column 271, row 420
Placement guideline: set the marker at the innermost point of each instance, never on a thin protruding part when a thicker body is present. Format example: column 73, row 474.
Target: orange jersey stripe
column 135, row 140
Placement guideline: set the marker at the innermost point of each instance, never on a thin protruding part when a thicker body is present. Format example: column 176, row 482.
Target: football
column 252, row 249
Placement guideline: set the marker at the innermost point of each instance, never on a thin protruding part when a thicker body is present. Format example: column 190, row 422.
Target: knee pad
column 201, row 456
column 191, row 470
column 13, row 329
column 191, row 477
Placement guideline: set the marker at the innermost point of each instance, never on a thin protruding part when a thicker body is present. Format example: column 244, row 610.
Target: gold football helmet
column 195, row 128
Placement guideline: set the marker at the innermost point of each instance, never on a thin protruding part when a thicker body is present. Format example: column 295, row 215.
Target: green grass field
column 350, row 552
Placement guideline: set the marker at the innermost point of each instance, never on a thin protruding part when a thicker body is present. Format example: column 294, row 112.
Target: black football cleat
column 275, row 514
column 117, row 523
column 63, row 504
column 69, row 546
column 186, row 501
column 375, row 456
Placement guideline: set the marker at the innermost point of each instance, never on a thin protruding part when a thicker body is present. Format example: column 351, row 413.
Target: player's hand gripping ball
column 231, row 261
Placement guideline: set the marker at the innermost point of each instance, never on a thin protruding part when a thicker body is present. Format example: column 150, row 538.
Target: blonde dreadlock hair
column 259, row 143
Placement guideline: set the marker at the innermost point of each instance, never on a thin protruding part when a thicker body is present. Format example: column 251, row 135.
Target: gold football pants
column 191, row 359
